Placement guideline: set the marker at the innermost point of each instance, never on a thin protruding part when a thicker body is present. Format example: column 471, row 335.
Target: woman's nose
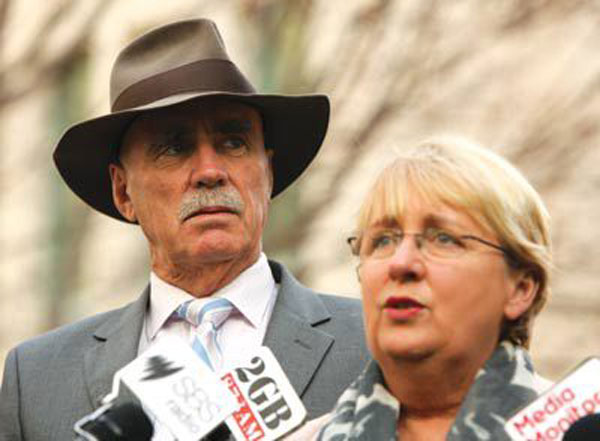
column 407, row 263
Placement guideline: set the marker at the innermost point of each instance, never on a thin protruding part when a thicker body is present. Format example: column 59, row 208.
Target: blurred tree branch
column 431, row 50
column 38, row 64
column 52, row 60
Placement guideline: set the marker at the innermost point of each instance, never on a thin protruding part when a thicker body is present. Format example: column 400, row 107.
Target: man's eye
column 235, row 145
column 171, row 148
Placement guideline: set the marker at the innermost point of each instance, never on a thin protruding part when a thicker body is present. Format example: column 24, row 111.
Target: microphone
column 176, row 388
column 119, row 423
column 585, row 429
column 268, row 406
column 252, row 401
column 569, row 408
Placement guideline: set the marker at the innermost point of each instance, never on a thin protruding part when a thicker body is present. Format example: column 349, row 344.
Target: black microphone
column 124, row 422
column 220, row 433
column 584, row 429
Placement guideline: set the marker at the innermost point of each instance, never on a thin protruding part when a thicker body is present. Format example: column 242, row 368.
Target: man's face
column 198, row 180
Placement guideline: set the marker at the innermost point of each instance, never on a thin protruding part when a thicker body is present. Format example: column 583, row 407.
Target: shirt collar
column 250, row 293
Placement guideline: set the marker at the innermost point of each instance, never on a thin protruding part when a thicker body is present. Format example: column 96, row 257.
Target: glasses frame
column 352, row 241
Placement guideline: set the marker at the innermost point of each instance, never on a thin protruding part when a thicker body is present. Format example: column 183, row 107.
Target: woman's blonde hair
column 493, row 192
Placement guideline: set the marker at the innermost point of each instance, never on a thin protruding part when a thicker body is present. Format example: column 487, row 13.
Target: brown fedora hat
column 170, row 65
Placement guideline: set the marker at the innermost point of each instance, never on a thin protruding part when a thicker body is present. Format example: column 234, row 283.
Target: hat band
column 202, row 76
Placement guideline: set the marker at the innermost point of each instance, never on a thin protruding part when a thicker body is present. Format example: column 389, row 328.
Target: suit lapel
column 115, row 344
column 292, row 333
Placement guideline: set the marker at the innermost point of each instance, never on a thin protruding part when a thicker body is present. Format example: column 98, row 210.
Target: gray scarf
column 367, row 411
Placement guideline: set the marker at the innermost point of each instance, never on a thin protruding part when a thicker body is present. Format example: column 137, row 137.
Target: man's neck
column 205, row 279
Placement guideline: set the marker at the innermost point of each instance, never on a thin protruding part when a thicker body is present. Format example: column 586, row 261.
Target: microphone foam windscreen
column 123, row 422
column 584, row 429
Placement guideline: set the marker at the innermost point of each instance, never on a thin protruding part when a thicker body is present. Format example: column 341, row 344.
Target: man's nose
column 407, row 263
column 207, row 166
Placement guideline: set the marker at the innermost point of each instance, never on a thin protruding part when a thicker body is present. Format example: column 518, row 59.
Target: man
column 192, row 154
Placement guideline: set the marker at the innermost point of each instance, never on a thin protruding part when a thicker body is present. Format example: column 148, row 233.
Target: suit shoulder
column 341, row 303
column 346, row 318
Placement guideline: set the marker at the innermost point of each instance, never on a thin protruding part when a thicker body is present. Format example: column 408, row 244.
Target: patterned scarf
column 367, row 411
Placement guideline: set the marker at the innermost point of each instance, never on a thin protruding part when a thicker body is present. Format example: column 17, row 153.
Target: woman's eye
column 382, row 240
column 446, row 239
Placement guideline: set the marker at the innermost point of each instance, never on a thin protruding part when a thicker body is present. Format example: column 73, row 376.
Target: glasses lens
column 443, row 244
column 433, row 242
column 380, row 244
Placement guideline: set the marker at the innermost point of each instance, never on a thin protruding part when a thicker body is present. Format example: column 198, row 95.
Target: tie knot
column 198, row 313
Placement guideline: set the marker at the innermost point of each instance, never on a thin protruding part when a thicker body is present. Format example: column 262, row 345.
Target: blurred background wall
column 519, row 76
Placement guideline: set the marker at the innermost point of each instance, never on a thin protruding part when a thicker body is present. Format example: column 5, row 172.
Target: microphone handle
column 221, row 433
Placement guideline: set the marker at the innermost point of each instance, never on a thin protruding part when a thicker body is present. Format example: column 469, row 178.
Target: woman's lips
column 402, row 308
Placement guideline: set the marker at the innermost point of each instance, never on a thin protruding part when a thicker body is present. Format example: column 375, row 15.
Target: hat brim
column 294, row 128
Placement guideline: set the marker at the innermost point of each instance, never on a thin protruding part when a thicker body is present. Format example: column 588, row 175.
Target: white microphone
column 254, row 399
column 177, row 389
column 549, row 416
column 268, row 407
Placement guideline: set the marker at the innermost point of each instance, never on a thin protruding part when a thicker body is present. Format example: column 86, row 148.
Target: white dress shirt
column 253, row 294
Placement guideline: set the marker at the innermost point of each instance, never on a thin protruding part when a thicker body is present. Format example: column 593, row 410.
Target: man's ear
column 522, row 295
column 270, row 153
column 118, row 178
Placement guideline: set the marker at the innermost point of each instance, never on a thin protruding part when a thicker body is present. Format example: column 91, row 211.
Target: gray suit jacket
column 53, row 380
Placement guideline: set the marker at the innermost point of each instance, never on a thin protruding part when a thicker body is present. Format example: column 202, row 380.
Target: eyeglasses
column 433, row 242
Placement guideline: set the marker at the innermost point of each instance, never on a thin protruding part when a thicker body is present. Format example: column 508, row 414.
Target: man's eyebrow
column 170, row 134
column 236, row 125
column 175, row 132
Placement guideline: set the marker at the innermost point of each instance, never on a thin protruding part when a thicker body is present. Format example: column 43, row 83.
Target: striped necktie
column 207, row 318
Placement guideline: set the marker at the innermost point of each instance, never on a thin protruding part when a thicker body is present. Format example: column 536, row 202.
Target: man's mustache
column 224, row 197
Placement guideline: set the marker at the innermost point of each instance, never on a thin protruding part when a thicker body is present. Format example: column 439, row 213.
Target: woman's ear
column 522, row 295
column 118, row 178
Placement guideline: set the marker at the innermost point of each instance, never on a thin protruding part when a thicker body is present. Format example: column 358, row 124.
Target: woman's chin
column 406, row 348
column 410, row 355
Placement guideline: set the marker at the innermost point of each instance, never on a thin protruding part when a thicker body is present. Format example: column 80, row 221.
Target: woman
column 454, row 255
